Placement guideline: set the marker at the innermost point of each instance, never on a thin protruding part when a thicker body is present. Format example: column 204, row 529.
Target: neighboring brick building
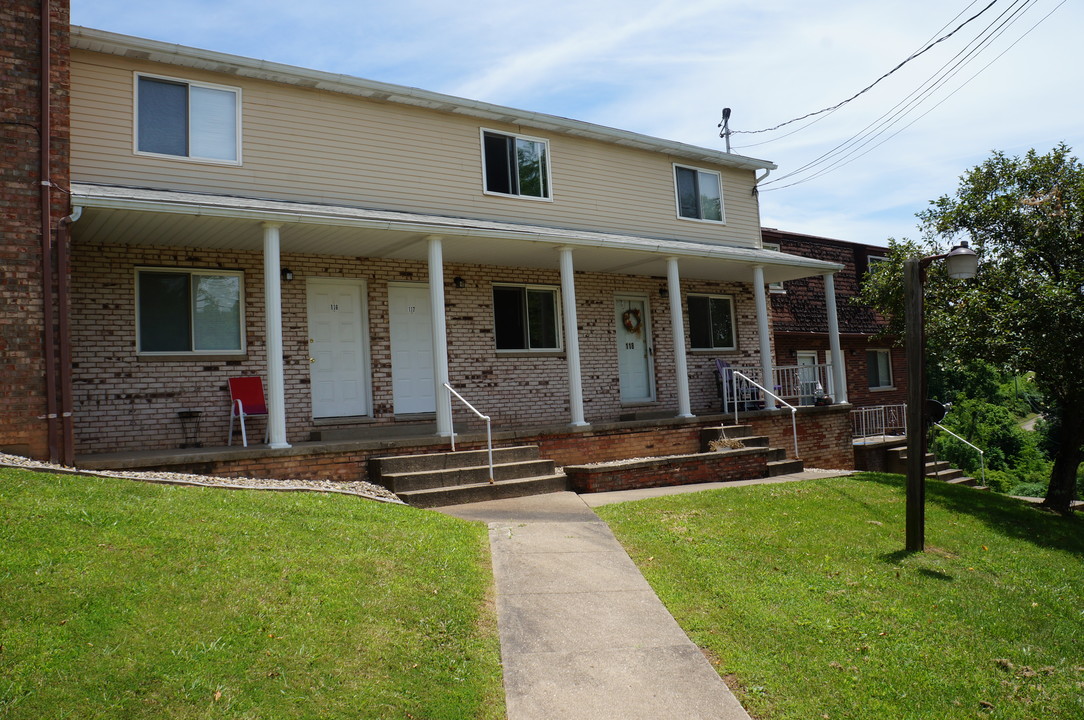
column 31, row 387
column 875, row 368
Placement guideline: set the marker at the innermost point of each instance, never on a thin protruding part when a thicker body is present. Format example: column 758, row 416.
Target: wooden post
column 916, row 400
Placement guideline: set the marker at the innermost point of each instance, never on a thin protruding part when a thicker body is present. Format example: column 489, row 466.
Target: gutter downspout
column 67, row 429
column 756, row 183
column 48, row 334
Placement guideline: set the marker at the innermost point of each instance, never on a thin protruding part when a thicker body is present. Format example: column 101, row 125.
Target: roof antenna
column 725, row 125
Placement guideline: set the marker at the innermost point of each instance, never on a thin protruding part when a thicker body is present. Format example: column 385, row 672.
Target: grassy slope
column 803, row 593
column 130, row 600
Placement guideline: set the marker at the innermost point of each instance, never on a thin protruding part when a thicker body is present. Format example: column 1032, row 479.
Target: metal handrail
column 982, row 461
column 489, row 430
column 793, row 410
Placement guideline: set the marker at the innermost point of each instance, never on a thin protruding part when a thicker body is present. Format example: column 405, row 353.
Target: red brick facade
column 800, row 317
column 23, row 406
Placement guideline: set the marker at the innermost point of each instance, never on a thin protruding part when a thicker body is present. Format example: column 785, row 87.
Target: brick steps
column 778, row 462
column 453, row 478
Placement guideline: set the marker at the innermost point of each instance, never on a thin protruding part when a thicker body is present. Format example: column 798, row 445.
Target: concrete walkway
column 582, row 634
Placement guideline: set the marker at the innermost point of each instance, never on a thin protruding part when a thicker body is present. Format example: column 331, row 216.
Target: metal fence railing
column 879, row 421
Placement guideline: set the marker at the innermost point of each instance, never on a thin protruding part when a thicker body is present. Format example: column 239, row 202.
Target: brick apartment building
column 875, row 368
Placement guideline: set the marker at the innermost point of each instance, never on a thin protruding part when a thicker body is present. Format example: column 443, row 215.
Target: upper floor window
column 711, row 322
column 515, row 165
column 187, row 119
column 699, row 193
column 775, row 287
column 189, row 311
column 525, row 317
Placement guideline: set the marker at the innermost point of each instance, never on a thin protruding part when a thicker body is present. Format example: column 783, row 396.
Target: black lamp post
column 961, row 263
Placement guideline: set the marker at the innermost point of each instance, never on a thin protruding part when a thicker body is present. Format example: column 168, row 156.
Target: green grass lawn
column 120, row 599
column 803, row 594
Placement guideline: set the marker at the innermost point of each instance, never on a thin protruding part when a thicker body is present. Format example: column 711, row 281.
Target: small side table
column 190, row 420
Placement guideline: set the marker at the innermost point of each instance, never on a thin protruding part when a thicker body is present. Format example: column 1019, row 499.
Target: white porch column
column 572, row 338
column 440, row 336
column 677, row 325
column 272, row 297
column 763, row 332
column 839, row 378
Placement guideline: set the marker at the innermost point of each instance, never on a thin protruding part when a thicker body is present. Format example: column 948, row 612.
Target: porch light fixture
column 287, row 274
column 459, row 282
column 664, row 292
column 961, row 263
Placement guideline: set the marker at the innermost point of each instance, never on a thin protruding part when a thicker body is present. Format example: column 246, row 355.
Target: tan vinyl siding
column 310, row 145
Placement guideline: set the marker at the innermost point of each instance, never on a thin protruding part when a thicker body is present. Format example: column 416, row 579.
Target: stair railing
column 982, row 462
column 489, row 431
column 793, row 410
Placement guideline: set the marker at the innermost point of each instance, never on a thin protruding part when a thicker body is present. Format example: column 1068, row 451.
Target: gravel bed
column 354, row 487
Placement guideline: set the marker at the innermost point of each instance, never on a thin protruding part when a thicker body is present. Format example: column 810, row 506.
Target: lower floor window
column 180, row 311
column 711, row 322
column 879, row 368
column 525, row 317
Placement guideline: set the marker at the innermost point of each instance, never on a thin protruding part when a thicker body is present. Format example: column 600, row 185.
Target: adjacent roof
column 164, row 217
column 142, row 49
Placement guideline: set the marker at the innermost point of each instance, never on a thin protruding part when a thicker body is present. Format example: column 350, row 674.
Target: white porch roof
column 139, row 216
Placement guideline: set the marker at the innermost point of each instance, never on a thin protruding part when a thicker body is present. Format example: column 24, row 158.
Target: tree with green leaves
column 1024, row 216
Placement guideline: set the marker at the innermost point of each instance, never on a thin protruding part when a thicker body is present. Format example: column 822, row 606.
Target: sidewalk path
column 582, row 634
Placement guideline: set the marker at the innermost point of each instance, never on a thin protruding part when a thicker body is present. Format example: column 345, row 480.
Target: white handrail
column 489, row 431
column 793, row 410
column 982, row 461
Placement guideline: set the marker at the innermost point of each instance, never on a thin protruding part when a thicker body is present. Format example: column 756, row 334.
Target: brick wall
column 22, row 389
column 824, row 434
column 127, row 402
column 668, row 471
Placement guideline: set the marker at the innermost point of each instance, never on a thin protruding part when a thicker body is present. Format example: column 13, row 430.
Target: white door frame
column 363, row 310
column 649, row 349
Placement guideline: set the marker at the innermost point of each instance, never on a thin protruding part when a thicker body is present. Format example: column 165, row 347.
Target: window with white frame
column 699, row 193
column 879, row 369
column 189, row 311
column 526, row 317
column 711, row 322
column 181, row 118
column 515, row 165
column 775, row 287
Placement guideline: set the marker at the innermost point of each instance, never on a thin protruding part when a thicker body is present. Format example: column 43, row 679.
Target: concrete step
column 448, row 460
column 963, row 480
column 480, row 492
column 946, row 475
column 450, row 477
column 785, row 467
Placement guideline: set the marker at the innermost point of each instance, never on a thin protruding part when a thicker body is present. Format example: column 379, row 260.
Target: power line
column 830, row 112
column 850, row 149
column 869, row 87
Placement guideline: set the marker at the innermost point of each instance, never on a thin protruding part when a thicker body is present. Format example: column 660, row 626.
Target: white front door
column 634, row 350
column 411, row 349
column 338, row 365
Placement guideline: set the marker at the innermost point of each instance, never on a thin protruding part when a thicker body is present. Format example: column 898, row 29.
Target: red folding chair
column 246, row 399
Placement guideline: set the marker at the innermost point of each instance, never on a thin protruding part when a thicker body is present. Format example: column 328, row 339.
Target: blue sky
column 668, row 68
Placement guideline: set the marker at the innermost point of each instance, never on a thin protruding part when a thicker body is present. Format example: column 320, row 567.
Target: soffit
column 135, row 216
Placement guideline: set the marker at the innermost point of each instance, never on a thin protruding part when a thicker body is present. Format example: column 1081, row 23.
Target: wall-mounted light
column 287, row 274
column 459, row 282
column 663, row 292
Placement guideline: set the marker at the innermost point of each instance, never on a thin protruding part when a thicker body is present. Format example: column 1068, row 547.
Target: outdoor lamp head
column 961, row 262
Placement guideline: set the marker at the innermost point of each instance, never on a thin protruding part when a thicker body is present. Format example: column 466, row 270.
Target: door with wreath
column 634, row 360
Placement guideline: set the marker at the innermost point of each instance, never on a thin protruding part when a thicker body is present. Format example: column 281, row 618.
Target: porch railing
column 793, row 410
column 489, row 430
column 878, row 421
column 799, row 384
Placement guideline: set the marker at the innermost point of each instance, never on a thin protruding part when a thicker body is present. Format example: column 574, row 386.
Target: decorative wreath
column 632, row 320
